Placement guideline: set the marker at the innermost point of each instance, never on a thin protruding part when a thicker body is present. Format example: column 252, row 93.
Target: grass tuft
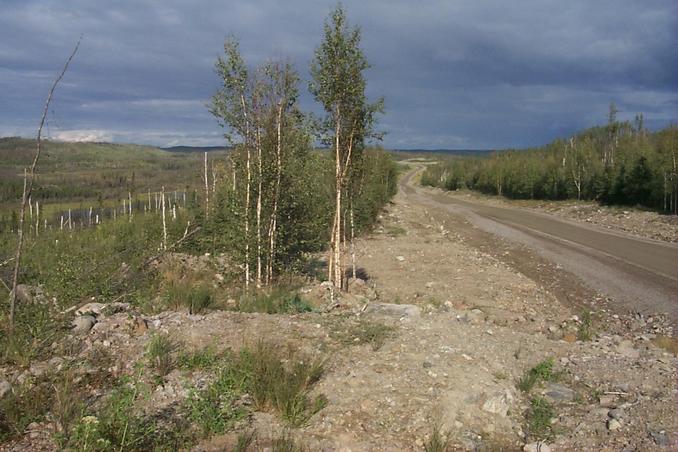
column 541, row 372
column 437, row 441
column 162, row 354
column 539, row 417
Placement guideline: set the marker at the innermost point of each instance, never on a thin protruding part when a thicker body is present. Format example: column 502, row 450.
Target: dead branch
column 28, row 189
column 171, row 247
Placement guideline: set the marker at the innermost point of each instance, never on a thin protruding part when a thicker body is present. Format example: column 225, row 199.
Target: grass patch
column 365, row 332
column 437, row 441
column 541, row 372
column 274, row 383
column 116, row 426
column 285, row 443
column 538, row 418
column 161, row 353
column 278, row 301
column 203, row 359
column 395, row 231
column 196, row 298
column 585, row 331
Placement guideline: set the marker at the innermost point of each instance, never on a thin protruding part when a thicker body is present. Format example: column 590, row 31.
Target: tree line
column 281, row 198
column 619, row 163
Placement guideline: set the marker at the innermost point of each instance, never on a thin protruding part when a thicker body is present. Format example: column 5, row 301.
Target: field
column 80, row 176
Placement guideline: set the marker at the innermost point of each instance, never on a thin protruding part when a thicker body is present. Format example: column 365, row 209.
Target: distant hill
column 464, row 152
column 190, row 149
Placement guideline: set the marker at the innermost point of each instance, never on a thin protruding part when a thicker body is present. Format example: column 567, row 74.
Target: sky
column 462, row 74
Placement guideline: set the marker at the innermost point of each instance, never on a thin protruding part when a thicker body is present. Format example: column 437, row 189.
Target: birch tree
column 338, row 84
column 232, row 108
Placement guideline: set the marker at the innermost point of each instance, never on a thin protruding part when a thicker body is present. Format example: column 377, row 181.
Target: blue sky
column 455, row 74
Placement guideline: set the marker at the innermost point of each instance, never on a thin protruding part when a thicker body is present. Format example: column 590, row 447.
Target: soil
column 629, row 220
column 470, row 315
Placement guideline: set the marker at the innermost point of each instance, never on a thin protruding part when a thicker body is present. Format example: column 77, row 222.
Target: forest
column 620, row 163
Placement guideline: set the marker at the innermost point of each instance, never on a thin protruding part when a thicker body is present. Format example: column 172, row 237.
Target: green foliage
column 26, row 403
column 285, row 389
column 285, row 443
column 204, row 359
column 543, row 371
column 196, row 298
column 585, row 331
column 364, row 332
column 437, row 441
column 615, row 164
column 261, row 372
column 276, row 301
column 161, row 353
column 538, row 418
column 117, row 426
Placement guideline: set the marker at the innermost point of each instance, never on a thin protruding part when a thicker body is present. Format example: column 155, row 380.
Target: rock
column 140, row 326
column 613, row 425
column 559, row 393
column 400, row 258
column 398, row 311
column 625, row 348
column 608, row 401
column 659, row 437
column 5, row 388
column 24, row 293
column 115, row 308
column 499, row 403
column 474, row 316
column 84, row 323
column 570, row 338
column 617, row 413
column 91, row 309
column 537, row 447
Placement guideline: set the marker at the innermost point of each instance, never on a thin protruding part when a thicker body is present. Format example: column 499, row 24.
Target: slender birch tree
column 338, row 84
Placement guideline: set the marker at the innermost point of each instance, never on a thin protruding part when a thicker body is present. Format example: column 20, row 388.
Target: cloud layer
column 463, row 74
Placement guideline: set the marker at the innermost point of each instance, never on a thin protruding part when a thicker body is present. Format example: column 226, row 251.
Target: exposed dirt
column 471, row 314
column 629, row 220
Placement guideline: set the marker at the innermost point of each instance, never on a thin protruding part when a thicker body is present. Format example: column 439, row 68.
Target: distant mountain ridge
column 189, row 149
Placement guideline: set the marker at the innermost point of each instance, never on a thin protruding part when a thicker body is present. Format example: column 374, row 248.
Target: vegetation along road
column 641, row 275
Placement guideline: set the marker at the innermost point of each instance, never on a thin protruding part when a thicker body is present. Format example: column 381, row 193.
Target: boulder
column 559, row 393
column 5, row 388
column 83, row 323
column 397, row 311
column 539, row 446
column 92, row 309
column 499, row 403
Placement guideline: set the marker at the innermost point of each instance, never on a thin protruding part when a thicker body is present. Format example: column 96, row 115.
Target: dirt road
column 640, row 275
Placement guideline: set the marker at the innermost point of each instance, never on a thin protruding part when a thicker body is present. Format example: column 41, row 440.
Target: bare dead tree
column 29, row 178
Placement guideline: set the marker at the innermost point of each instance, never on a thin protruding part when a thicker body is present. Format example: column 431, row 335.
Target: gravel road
column 641, row 275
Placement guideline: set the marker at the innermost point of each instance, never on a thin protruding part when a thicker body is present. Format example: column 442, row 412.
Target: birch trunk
column 164, row 223
column 207, row 191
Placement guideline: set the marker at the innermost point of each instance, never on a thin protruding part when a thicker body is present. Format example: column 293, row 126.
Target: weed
column 197, row 298
column 245, row 440
column 438, row 441
column 206, row 358
column 367, row 332
column 585, row 330
column 26, row 403
column 395, row 231
column 67, row 405
column 279, row 301
column 117, row 426
column 273, row 385
column 541, row 372
column 161, row 354
column 285, row 443
column 539, row 417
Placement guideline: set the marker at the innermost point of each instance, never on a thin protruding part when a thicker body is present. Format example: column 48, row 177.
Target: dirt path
column 641, row 275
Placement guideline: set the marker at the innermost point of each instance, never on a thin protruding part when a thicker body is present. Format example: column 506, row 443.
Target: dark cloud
column 463, row 74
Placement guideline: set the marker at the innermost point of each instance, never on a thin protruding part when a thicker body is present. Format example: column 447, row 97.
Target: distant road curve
column 642, row 274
